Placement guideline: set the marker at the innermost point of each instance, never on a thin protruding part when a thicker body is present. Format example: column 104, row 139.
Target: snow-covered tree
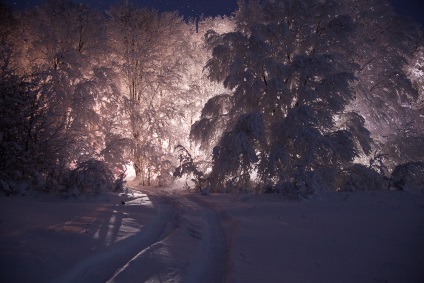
column 155, row 55
column 287, row 64
column 133, row 80
column 72, row 100
column 386, row 86
column 292, row 92
column 200, row 88
column 415, row 71
column 36, row 144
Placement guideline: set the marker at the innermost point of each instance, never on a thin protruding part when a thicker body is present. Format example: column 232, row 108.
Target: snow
column 129, row 172
column 364, row 239
column 170, row 235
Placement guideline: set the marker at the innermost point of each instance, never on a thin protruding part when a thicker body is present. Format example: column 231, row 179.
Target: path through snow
column 192, row 249
column 160, row 235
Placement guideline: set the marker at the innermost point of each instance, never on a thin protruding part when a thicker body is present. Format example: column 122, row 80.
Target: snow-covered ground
column 168, row 235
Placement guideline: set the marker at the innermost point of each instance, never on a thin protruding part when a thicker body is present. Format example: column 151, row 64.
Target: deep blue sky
column 192, row 8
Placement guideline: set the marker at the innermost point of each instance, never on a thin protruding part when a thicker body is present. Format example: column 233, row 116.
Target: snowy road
column 183, row 242
column 191, row 247
column 161, row 235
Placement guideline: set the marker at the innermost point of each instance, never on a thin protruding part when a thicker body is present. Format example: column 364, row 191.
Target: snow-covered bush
column 359, row 177
column 303, row 184
column 189, row 168
column 408, row 176
column 91, row 176
column 406, row 144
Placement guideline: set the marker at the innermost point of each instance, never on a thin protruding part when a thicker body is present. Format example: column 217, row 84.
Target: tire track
column 192, row 250
column 100, row 266
column 212, row 256
column 185, row 242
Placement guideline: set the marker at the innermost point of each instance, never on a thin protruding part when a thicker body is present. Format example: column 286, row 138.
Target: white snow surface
column 170, row 235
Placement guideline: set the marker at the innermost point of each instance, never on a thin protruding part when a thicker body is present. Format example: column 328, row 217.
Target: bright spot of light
column 129, row 171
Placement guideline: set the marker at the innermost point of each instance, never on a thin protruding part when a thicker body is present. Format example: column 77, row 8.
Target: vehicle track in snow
column 184, row 242
column 193, row 247
column 101, row 265
column 210, row 261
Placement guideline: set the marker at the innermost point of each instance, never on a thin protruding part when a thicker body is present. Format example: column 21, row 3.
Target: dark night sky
column 192, row 8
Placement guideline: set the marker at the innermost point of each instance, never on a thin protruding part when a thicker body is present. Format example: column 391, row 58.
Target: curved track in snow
column 101, row 265
column 184, row 242
column 192, row 248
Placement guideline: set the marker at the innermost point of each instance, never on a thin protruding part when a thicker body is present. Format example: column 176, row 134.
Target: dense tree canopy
column 308, row 78
column 284, row 96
